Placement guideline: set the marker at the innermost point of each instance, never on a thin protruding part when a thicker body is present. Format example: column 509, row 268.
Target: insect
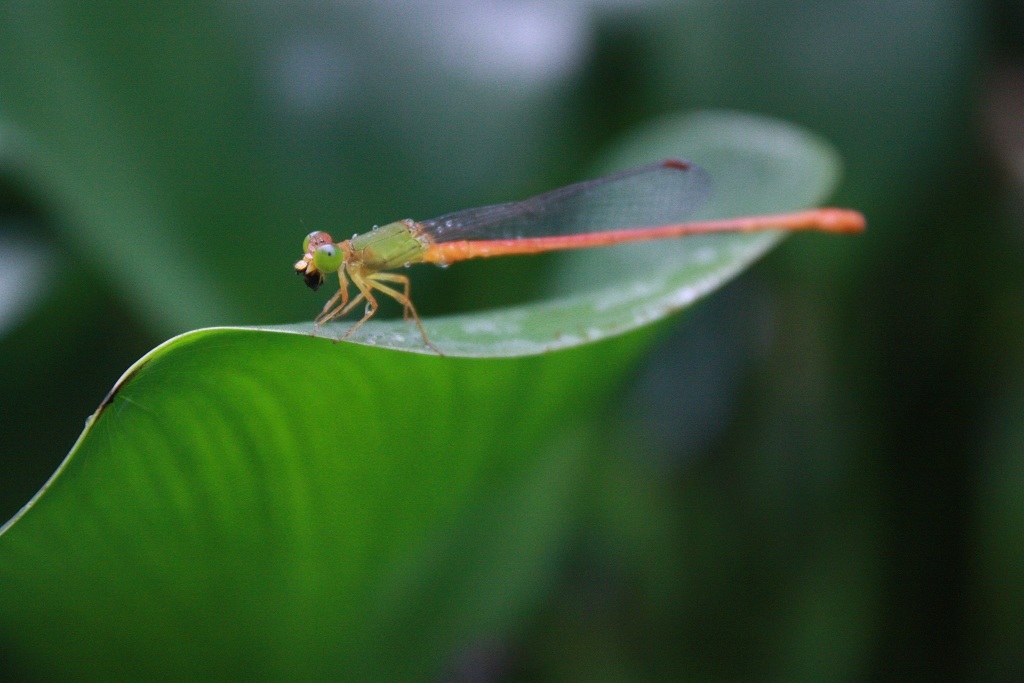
column 639, row 204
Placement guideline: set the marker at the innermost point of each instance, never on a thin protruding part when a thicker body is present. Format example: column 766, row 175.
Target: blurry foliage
column 816, row 475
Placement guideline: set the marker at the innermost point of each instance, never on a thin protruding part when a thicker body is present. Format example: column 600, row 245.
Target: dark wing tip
column 677, row 163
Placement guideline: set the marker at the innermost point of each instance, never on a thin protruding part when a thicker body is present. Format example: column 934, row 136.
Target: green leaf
column 269, row 503
column 758, row 165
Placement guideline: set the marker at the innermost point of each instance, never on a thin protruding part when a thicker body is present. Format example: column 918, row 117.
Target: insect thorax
column 389, row 246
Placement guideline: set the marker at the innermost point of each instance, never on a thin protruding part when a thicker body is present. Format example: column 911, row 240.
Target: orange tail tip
column 841, row 220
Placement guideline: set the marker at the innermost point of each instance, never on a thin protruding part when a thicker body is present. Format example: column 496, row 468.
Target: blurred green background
column 816, row 475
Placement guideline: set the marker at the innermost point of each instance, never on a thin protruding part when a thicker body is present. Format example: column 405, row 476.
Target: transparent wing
column 663, row 192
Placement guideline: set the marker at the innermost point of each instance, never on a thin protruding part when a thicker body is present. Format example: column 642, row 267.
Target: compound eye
column 328, row 258
column 314, row 240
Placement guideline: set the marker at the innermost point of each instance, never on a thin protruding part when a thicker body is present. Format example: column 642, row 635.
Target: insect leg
column 327, row 313
column 364, row 287
column 375, row 282
column 407, row 309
